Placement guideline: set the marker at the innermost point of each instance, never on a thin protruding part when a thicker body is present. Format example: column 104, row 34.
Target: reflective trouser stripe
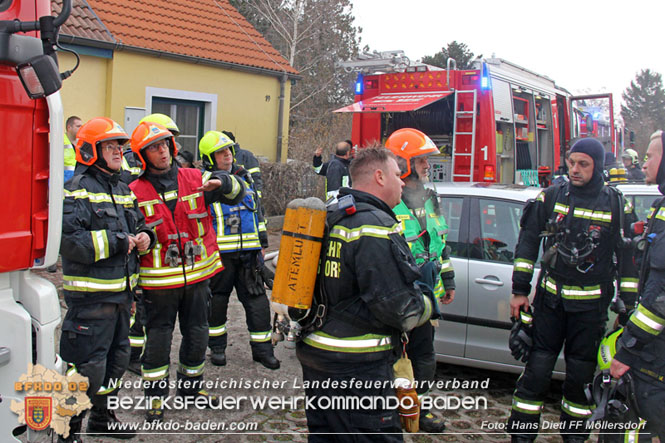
column 633, row 436
column 259, row 337
column 628, row 284
column 105, row 391
column 361, row 344
column 575, row 409
column 526, row 406
column 216, row 331
column 190, row 371
column 136, row 341
column 155, row 374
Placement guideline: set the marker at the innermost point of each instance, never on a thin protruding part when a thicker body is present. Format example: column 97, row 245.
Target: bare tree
column 313, row 35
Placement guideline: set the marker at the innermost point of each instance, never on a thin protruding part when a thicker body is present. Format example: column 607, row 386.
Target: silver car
column 483, row 227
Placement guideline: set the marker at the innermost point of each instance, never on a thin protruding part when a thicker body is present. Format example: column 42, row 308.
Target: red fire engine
column 496, row 123
column 31, row 129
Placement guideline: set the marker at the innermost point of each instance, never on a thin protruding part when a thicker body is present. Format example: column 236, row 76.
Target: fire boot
column 104, row 423
column 212, row 401
column 218, row 357
column 156, row 411
column 263, row 353
column 431, row 424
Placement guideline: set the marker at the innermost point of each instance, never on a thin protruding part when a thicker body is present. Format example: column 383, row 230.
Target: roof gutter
column 116, row 46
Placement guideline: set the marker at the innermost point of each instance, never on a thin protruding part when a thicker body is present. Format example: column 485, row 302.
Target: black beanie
column 594, row 149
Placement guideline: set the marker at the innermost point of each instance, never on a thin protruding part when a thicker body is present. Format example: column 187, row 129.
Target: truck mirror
column 40, row 76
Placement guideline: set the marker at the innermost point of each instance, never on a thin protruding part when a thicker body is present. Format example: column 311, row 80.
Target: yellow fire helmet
column 163, row 120
column 211, row 142
column 608, row 348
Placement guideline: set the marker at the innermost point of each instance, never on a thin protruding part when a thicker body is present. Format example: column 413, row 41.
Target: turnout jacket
column 579, row 211
column 99, row 213
column 337, row 175
column 367, row 277
column 642, row 344
column 178, row 212
column 425, row 229
column 240, row 227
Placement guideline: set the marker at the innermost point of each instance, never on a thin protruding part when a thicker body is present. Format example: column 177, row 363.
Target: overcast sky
column 581, row 45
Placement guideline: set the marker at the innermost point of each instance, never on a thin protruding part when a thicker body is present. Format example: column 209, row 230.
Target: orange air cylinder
column 299, row 250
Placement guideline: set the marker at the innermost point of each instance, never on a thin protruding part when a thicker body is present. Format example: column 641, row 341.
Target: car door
column 494, row 230
column 450, row 335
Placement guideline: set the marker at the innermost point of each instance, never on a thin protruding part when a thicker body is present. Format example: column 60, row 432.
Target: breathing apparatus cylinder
column 298, row 262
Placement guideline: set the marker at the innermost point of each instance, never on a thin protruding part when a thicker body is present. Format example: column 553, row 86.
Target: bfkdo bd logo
column 38, row 412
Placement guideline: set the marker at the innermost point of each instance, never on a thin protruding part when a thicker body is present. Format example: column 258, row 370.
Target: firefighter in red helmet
column 174, row 278
column 103, row 231
column 425, row 229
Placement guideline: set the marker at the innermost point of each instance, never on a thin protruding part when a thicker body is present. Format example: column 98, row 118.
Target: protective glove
column 250, row 275
column 521, row 340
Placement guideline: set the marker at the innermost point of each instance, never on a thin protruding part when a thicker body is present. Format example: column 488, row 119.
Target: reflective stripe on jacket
column 190, row 224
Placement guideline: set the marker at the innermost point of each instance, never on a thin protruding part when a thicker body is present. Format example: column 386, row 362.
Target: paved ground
column 288, row 424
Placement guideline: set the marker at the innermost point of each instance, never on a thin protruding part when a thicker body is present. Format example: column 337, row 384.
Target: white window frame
column 209, row 101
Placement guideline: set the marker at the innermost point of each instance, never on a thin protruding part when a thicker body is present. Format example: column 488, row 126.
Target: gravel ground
column 276, row 423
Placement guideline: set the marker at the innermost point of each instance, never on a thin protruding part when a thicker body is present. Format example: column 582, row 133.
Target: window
column 451, row 208
column 193, row 112
column 642, row 205
column 499, row 229
column 188, row 115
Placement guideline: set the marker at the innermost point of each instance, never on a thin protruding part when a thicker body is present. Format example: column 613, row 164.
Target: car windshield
column 642, row 205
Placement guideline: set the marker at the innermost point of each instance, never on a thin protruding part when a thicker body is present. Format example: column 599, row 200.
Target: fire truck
column 498, row 122
column 31, row 129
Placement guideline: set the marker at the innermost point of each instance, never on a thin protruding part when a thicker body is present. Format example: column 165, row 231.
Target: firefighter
column 131, row 165
column 337, row 170
column 581, row 221
column 103, row 231
column 131, row 169
column 366, row 312
column 247, row 160
column 424, row 228
column 174, row 276
column 632, row 164
column 642, row 345
column 241, row 235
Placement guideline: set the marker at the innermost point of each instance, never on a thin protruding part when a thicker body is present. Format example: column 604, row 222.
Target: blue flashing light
column 360, row 85
column 485, row 82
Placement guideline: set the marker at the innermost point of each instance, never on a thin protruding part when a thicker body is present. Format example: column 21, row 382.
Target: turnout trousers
column 579, row 334
column 257, row 308
column 190, row 304
column 350, row 424
column 94, row 343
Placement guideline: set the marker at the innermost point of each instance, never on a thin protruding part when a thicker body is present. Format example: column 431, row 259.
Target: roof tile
column 207, row 29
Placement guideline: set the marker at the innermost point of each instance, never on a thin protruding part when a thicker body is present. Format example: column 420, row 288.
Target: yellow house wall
column 106, row 86
column 84, row 93
column 242, row 106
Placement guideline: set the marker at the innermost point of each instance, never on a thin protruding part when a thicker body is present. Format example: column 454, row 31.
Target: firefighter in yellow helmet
column 175, row 276
column 424, row 228
column 131, row 165
column 241, row 235
column 101, row 240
